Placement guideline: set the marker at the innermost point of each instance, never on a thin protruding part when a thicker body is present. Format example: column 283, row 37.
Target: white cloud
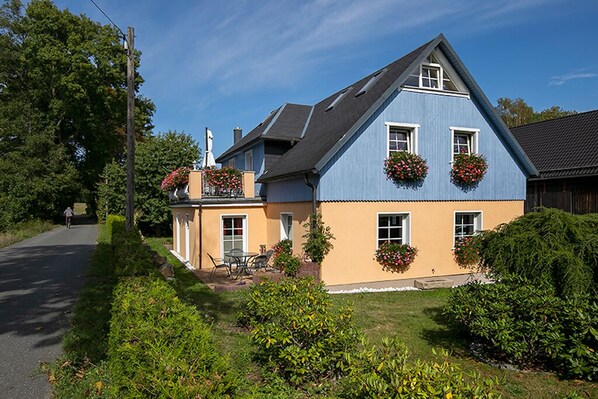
column 562, row 79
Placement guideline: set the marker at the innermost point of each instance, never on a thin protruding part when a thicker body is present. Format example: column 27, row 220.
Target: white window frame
column 178, row 233
column 478, row 222
column 283, row 232
column 406, row 227
column 440, row 79
column 249, row 159
column 472, row 132
column 231, row 163
column 413, row 146
column 187, row 237
column 245, row 230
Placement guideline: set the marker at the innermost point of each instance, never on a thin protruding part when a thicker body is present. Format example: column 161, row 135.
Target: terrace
column 215, row 184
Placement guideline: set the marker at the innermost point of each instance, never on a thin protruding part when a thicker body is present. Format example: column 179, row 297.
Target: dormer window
column 433, row 75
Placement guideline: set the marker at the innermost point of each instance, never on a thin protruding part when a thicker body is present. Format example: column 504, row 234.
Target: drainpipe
column 199, row 211
column 313, row 193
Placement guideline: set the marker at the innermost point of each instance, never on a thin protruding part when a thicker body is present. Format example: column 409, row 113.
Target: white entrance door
column 187, row 237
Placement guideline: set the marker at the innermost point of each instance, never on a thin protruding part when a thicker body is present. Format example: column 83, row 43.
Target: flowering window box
column 224, row 182
column 395, row 257
column 403, row 166
column 468, row 169
column 176, row 183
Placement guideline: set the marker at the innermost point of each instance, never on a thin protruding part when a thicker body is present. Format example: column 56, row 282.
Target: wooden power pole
column 130, row 128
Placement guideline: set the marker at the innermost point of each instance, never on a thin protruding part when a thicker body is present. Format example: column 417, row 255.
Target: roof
column 284, row 123
column 328, row 129
column 562, row 147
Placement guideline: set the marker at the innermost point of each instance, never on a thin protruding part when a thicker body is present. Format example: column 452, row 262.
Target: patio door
column 234, row 233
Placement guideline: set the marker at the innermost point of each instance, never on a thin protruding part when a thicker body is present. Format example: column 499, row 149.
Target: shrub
column 295, row 330
column 318, row 236
column 468, row 168
column 288, row 264
column 404, row 166
column 384, row 372
column 395, row 257
column 525, row 324
column 282, row 251
column 546, row 247
column 160, row 347
column 130, row 256
column 467, row 251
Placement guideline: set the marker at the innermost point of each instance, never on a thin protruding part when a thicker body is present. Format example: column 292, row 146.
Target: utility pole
column 130, row 128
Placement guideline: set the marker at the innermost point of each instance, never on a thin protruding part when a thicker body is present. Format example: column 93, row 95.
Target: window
column 401, row 137
column 286, row 226
column 467, row 224
column 465, row 140
column 249, row 160
column 393, row 227
column 338, row 99
column 231, row 163
column 370, row 83
column 431, row 74
column 233, row 233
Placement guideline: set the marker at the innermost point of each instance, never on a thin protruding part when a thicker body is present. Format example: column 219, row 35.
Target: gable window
column 401, row 137
column 467, row 224
column 393, row 227
column 249, row 160
column 434, row 74
column 465, row 141
column 286, row 226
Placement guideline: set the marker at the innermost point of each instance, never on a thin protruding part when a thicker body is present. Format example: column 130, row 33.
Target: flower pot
column 182, row 192
column 172, row 196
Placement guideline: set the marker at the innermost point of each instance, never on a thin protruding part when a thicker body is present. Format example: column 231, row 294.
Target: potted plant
column 395, row 257
column 468, row 169
column 403, row 166
column 224, row 181
column 176, row 183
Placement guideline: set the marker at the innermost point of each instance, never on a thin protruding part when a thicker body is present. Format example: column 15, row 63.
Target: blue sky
column 224, row 63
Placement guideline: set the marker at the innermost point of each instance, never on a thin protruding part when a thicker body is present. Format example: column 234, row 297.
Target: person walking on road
column 68, row 213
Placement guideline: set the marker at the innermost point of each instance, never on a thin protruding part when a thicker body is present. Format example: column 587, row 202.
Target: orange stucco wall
column 300, row 211
column 354, row 225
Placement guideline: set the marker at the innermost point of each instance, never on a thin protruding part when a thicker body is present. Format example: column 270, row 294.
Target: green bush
column 549, row 246
column 527, row 325
column 295, row 330
column 131, row 258
column 384, row 372
column 161, row 347
column 318, row 237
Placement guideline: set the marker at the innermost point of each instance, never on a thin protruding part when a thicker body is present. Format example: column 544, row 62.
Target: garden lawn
column 414, row 316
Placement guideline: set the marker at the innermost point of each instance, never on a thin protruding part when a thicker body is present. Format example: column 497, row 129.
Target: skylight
column 338, row 99
column 370, row 83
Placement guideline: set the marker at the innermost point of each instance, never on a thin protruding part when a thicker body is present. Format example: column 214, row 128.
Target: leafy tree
column 155, row 157
column 63, row 88
column 517, row 112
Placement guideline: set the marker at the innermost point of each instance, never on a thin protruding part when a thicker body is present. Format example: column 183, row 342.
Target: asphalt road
column 40, row 279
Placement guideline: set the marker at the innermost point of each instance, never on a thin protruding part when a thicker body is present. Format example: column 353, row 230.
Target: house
column 565, row 152
column 329, row 157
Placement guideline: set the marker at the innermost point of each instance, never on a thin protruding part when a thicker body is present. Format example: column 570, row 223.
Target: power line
column 111, row 21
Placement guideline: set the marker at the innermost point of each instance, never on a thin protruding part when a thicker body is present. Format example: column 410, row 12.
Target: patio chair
column 259, row 262
column 219, row 263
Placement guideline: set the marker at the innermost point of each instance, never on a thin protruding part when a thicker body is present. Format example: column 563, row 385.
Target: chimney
column 237, row 134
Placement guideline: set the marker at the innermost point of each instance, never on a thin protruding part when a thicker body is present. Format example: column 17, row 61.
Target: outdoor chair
column 219, row 263
column 259, row 262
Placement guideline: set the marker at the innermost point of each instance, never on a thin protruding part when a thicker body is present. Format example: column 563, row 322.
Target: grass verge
column 23, row 231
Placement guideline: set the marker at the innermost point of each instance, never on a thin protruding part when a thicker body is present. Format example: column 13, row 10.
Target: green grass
column 23, row 231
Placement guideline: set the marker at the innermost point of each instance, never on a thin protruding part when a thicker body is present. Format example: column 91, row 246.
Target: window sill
column 435, row 91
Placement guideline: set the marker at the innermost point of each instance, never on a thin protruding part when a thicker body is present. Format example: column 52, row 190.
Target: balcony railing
column 209, row 190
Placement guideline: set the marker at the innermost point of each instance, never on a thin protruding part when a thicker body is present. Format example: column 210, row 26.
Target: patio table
column 242, row 260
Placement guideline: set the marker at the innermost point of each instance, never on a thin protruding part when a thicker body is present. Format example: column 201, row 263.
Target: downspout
column 200, row 213
column 313, row 192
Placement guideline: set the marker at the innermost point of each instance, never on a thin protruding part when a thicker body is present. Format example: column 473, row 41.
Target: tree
column 517, row 112
column 63, row 83
column 156, row 156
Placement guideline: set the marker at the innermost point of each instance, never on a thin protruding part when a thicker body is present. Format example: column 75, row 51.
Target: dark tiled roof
column 326, row 128
column 284, row 123
column 562, row 147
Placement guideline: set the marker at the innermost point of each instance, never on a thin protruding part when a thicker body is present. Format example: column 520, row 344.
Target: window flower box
column 468, row 169
column 395, row 257
column 224, row 182
column 466, row 251
column 177, row 179
column 403, row 166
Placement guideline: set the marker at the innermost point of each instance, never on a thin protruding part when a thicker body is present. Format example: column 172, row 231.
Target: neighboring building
column 565, row 152
column 330, row 157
